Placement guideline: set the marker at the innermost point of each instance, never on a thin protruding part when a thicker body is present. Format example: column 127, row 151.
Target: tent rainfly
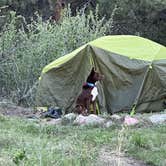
column 134, row 69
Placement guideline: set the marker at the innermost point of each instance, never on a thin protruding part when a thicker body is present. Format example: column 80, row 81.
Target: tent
column 134, row 69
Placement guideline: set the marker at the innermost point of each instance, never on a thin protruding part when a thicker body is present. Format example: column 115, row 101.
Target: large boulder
column 91, row 120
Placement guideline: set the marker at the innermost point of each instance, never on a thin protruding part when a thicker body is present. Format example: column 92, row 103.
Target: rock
column 80, row 120
column 129, row 121
column 116, row 117
column 158, row 118
column 91, row 120
column 68, row 118
column 108, row 124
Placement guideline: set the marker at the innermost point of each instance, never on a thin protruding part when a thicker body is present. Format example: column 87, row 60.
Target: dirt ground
column 16, row 111
column 108, row 158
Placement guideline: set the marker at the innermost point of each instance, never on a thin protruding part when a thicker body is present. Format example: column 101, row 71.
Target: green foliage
column 28, row 8
column 137, row 17
column 19, row 156
column 25, row 51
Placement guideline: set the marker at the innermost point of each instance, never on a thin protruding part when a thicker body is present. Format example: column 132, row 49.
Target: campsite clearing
column 28, row 142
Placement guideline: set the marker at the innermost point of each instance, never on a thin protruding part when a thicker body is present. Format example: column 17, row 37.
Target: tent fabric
column 134, row 69
column 131, row 46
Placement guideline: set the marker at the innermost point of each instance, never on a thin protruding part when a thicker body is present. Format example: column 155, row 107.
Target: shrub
column 24, row 51
column 137, row 17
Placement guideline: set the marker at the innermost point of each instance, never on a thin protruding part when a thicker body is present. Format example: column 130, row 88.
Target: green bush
column 24, row 51
column 137, row 17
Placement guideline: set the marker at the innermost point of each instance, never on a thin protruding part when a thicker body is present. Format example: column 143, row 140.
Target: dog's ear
column 93, row 69
column 91, row 74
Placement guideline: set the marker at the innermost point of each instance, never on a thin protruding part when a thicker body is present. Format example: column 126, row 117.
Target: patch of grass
column 6, row 142
column 149, row 144
column 29, row 143
column 139, row 140
column 19, row 157
column 2, row 118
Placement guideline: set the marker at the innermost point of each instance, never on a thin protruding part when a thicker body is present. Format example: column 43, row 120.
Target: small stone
column 129, row 121
column 158, row 118
column 108, row 124
column 70, row 116
column 116, row 117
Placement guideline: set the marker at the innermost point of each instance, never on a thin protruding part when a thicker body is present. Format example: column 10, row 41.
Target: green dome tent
column 134, row 69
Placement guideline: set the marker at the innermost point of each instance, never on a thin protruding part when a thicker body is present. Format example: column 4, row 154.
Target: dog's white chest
column 94, row 93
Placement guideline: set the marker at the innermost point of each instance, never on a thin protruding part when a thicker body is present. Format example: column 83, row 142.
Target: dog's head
column 94, row 76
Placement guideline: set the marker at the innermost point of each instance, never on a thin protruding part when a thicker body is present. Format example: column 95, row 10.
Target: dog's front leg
column 88, row 106
column 94, row 107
